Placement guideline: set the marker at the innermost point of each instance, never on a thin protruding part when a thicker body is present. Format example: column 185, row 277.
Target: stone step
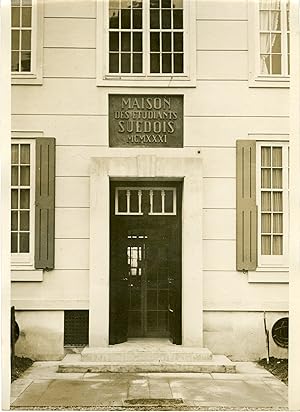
column 138, row 353
column 218, row 364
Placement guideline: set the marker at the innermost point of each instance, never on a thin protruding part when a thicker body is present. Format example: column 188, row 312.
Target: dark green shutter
column 44, row 203
column 246, row 219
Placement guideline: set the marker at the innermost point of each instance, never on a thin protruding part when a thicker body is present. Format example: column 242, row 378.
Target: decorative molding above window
column 269, row 43
column 146, row 42
column 26, row 41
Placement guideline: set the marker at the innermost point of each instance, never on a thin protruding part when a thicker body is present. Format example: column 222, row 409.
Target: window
column 22, row 202
column 139, row 201
column 26, row 41
column 32, row 203
column 147, row 40
column 262, row 205
column 270, row 50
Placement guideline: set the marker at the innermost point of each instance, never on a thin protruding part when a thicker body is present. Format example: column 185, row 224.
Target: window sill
column 26, row 275
column 270, row 81
column 24, row 79
column 269, row 275
column 168, row 82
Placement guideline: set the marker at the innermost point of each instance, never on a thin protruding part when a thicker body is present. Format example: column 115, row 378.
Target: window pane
column 277, row 156
column 137, row 19
column 15, row 2
column 26, row 40
column 15, row 16
column 177, row 19
column 178, row 63
column 24, row 220
column 113, row 41
column 154, row 19
column 125, row 63
column 15, row 40
column 265, row 43
column 168, row 201
column 14, row 199
column 266, row 245
column 278, row 223
column 277, row 178
column 24, row 199
column 24, row 242
column 166, row 4
column 14, row 243
column 166, row 63
column 266, row 223
column 276, row 64
column 178, row 4
column 134, row 201
column 27, row 2
column 137, row 41
column 166, row 19
column 14, row 154
column 113, row 63
column 25, row 154
column 157, row 201
column 277, row 201
column 25, row 176
column 26, row 16
column 154, row 4
column 154, row 63
column 166, row 41
column 276, row 43
column 14, row 220
column 266, row 201
column 15, row 61
column 137, row 63
column 155, row 41
column 266, row 157
column 178, row 41
column 25, row 61
column 264, row 20
column 265, row 64
column 275, row 21
column 137, row 4
column 125, row 4
column 266, row 178
column 14, row 176
column 125, row 41
column 122, row 201
column 113, row 19
column 277, row 245
column 125, row 19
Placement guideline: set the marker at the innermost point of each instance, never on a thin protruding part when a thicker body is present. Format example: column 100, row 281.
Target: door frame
column 180, row 164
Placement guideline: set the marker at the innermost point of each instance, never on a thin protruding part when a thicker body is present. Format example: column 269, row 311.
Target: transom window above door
column 146, row 36
column 148, row 201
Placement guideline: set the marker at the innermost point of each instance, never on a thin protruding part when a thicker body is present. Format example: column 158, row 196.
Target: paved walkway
column 251, row 387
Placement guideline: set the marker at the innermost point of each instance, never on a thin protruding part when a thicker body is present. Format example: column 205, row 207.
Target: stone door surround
column 177, row 164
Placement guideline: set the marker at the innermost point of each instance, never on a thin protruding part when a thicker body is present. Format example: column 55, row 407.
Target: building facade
column 150, row 174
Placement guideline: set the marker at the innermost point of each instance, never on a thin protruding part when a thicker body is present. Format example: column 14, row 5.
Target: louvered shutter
column 44, row 203
column 246, row 215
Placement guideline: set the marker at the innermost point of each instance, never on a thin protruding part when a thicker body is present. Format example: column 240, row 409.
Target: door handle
column 170, row 310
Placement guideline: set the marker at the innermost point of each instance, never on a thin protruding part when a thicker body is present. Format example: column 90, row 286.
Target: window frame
column 35, row 76
column 256, row 79
column 26, row 260
column 273, row 261
column 186, row 79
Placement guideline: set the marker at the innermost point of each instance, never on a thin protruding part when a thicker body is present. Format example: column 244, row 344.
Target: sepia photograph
column 150, row 205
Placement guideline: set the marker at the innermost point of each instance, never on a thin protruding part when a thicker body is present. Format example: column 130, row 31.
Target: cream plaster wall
column 219, row 110
column 41, row 335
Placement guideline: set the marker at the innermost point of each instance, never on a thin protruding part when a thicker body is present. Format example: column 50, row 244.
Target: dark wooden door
column 145, row 283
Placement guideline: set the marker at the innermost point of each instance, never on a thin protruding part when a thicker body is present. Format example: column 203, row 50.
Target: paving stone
column 32, row 394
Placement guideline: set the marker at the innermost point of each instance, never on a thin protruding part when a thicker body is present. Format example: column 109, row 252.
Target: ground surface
column 251, row 388
column 21, row 364
column 278, row 367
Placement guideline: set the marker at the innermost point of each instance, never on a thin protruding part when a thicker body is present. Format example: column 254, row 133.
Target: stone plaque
column 149, row 120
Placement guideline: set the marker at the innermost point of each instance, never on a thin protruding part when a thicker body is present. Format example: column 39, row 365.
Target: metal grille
column 280, row 332
column 76, row 327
